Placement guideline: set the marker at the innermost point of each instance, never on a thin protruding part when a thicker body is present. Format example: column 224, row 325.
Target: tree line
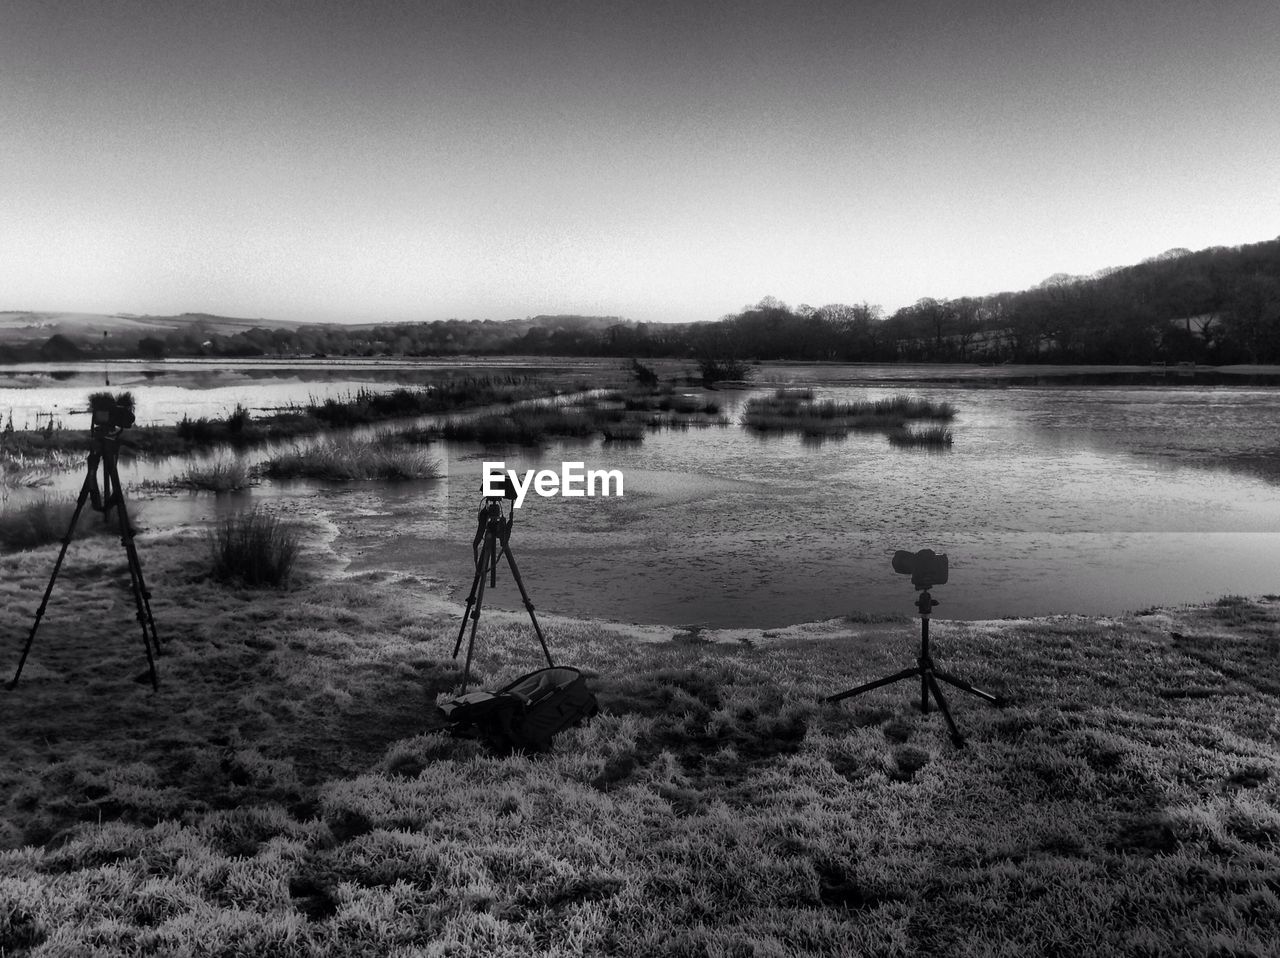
column 1217, row 306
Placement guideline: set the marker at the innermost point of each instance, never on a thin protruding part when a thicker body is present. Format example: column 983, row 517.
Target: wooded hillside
column 1217, row 306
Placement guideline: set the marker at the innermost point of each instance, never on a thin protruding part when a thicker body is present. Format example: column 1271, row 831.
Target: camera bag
column 527, row 714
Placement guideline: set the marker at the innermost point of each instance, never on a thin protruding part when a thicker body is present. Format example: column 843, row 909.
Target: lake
column 1095, row 491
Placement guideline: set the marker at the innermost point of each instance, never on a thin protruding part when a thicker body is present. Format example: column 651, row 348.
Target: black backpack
column 527, row 714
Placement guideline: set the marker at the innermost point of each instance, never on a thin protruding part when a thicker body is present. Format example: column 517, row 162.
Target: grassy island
column 792, row 409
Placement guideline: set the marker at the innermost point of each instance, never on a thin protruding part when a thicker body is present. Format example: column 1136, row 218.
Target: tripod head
column 493, row 521
column 491, row 506
column 110, row 415
column 491, row 517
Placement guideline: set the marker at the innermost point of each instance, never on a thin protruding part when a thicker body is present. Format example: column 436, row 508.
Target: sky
column 369, row 160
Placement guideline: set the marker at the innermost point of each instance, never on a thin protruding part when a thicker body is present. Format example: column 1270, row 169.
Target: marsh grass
column 367, row 405
column 414, row 435
column 296, row 796
column 684, row 423
column 220, row 475
column 623, row 432
column 45, row 520
column 933, row 437
column 526, row 426
column 32, row 469
column 668, row 401
column 255, row 548
column 614, row 414
column 352, row 459
column 795, row 410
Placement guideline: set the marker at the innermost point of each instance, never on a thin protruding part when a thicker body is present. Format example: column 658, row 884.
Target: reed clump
column 795, row 410
column 45, row 520
column 254, row 548
column 220, row 475
column 931, row 437
column 352, row 459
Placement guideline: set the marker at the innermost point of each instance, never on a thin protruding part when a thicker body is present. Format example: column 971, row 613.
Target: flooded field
column 1114, row 493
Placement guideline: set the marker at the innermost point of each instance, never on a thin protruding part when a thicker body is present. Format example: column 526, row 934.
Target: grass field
column 289, row 792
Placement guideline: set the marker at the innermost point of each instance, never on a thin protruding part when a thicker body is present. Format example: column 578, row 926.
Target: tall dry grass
column 351, row 459
column 929, row 437
column 45, row 520
column 221, row 475
column 255, row 548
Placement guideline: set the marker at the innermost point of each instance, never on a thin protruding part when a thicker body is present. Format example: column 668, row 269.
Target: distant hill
column 28, row 326
column 1219, row 306
column 47, row 336
column 571, row 321
column 31, row 326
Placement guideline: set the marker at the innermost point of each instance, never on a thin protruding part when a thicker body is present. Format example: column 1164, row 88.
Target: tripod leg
column 932, row 683
column 488, row 558
column 140, row 597
column 89, row 483
column 476, row 583
column 887, row 680
column 528, row 604
column 966, row 687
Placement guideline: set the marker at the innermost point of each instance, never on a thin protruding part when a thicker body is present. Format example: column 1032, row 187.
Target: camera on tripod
column 491, row 543
column 926, row 567
column 111, row 412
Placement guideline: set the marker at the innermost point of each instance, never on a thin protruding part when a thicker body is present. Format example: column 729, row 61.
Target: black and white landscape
column 282, row 282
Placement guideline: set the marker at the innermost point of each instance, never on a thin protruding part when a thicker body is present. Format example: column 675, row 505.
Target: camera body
column 926, row 567
column 110, row 412
column 117, row 417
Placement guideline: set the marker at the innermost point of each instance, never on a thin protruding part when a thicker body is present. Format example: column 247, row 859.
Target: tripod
column 929, row 675
column 492, row 541
column 104, row 450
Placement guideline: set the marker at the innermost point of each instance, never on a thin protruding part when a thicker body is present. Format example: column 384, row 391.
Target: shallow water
column 1040, row 507
column 1063, row 498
